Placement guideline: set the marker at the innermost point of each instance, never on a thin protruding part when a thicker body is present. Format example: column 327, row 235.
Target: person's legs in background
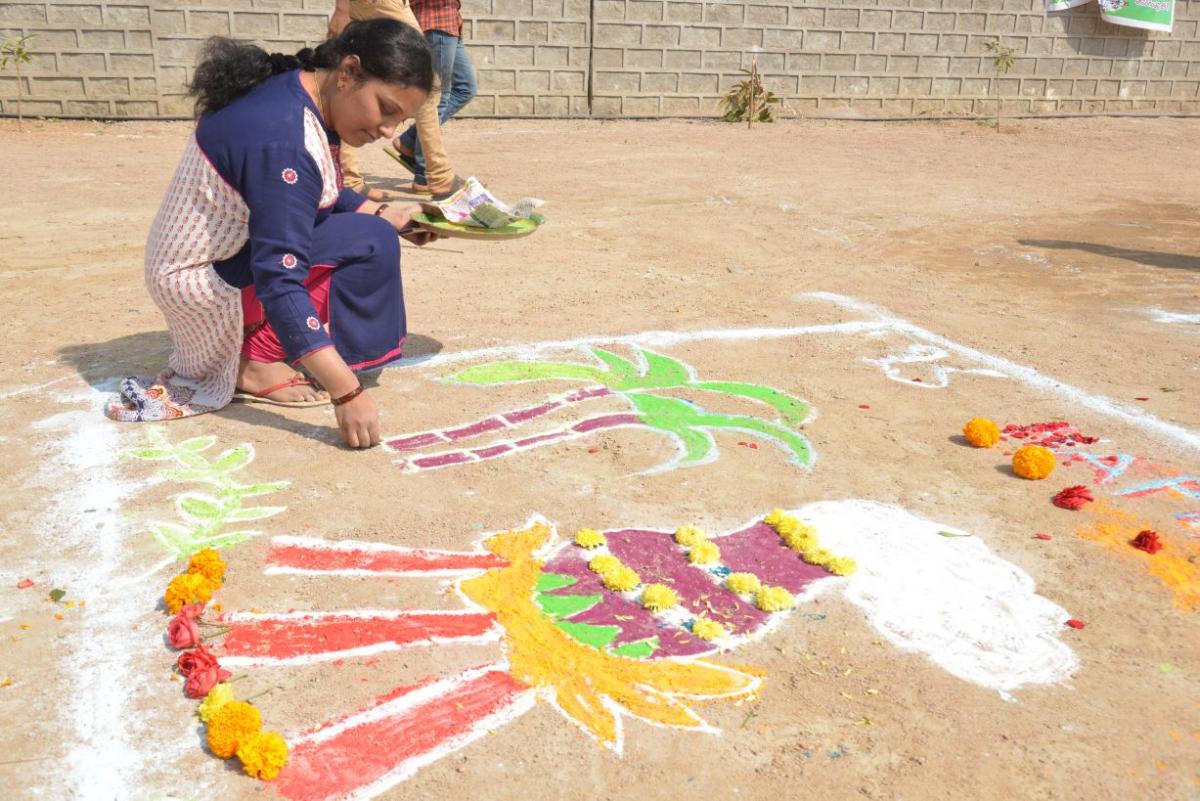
column 453, row 66
column 440, row 176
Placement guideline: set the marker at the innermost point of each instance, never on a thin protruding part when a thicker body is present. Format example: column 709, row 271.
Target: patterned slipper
column 405, row 161
column 296, row 380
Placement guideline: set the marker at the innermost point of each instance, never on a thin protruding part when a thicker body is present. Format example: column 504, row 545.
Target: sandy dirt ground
column 1034, row 275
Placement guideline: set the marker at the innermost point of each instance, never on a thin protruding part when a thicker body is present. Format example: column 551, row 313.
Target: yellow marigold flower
column 1033, row 462
column 707, row 629
column 704, row 553
column 774, row 518
column 621, row 579
column 981, row 432
column 589, row 538
column 800, row 537
column 818, row 556
column 230, row 725
column 263, row 755
column 786, row 525
column 217, row 697
column 208, row 563
column 187, row 588
column 687, row 536
column 841, row 566
column 604, row 563
column 742, row 583
column 773, row 599
column 657, row 597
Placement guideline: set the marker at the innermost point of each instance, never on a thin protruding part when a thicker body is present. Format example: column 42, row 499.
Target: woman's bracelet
column 379, row 211
column 349, row 396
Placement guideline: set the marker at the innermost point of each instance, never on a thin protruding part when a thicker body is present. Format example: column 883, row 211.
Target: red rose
column 192, row 611
column 1147, row 541
column 204, row 679
column 199, row 658
column 183, row 632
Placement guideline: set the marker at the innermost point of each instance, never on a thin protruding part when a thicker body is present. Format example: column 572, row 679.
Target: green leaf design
column 199, row 507
column 640, row 649
column 197, row 444
column 547, row 582
column 152, row 454
column 177, row 540
column 560, row 606
column 252, row 513
column 223, row 540
column 234, row 459
column 620, row 367
column 201, row 475
column 193, row 460
column 251, row 490
column 792, row 409
column 596, row 636
column 690, row 424
column 663, row 372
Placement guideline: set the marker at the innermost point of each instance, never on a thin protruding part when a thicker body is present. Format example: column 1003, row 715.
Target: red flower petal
column 1147, row 541
column 24, row 584
column 1076, row 624
column 1042, row 536
column 1073, row 498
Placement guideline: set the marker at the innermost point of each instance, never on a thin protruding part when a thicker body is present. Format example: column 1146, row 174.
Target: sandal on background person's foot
column 406, row 159
column 439, row 194
column 297, row 380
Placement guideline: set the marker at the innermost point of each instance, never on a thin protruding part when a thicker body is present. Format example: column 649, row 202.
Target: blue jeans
column 453, row 66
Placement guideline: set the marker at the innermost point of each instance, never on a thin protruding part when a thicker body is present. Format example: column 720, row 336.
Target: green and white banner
column 1151, row 15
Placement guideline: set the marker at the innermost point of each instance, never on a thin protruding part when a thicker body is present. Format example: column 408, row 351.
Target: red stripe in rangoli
column 326, row 633
column 389, row 561
column 366, row 753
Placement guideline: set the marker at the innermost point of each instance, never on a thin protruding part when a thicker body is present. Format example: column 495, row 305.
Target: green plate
column 443, row 227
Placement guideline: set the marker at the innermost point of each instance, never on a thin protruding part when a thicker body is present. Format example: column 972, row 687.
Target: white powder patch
column 974, row 614
column 111, row 745
column 1161, row 316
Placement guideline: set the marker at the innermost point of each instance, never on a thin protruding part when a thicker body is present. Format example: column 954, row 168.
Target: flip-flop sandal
column 296, row 380
column 405, row 161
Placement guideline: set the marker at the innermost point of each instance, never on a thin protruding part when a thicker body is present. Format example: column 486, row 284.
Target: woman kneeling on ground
column 258, row 257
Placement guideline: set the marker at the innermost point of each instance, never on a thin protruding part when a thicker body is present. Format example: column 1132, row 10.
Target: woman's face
column 365, row 110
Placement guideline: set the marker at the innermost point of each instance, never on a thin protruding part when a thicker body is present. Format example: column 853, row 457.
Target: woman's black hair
column 387, row 49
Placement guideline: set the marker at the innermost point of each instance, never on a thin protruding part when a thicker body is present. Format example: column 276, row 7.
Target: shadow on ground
column 1174, row 261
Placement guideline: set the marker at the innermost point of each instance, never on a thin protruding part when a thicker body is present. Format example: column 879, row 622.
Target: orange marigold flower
column 1033, row 462
column 981, row 432
column 230, row 725
column 208, row 563
column 187, row 588
column 263, row 755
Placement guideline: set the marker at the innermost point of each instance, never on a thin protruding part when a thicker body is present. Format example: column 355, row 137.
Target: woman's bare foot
column 254, row 377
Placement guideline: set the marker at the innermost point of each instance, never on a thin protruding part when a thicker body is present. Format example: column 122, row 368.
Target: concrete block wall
column 640, row 58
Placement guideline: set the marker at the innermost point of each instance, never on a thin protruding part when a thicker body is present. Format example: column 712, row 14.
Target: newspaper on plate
column 476, row 206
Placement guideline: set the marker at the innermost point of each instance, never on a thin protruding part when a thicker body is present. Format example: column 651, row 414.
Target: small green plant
column 1003, row 58
column 749, row 100
column 16, row 51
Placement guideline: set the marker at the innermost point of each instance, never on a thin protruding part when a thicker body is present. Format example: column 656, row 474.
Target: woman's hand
column 358, row 420
column 400, row 216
